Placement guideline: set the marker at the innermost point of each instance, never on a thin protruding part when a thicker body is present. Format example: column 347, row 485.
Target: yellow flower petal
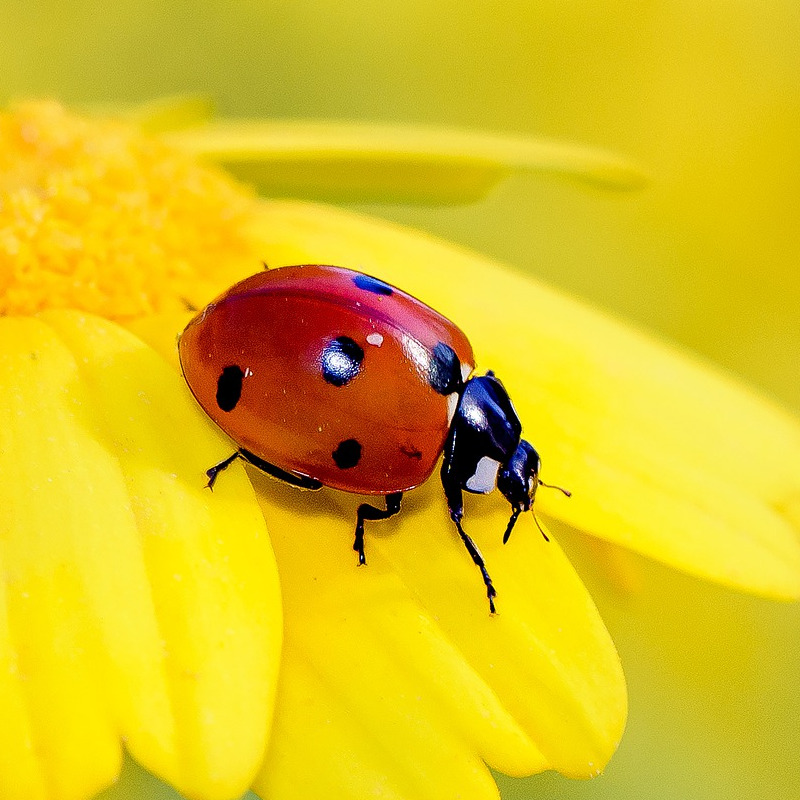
column 131, row 607
column 168, row 113
column 663, row 455
column 171, row 113
column 342, row 161
column 397, row 680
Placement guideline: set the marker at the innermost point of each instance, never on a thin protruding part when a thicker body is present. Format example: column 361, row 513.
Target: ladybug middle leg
column 366, row 511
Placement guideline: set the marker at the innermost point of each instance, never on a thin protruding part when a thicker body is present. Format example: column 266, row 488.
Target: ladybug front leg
column 366, row 511
column 477, row 558
column 455, row 503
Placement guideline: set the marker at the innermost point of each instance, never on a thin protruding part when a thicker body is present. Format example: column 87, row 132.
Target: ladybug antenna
column 566, row 492
column 541, row 529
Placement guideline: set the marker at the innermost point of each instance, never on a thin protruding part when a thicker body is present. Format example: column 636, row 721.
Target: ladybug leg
column 477, row 558
column 301, row 481
column 455, row 503
column 214, row 471
column 366, row 511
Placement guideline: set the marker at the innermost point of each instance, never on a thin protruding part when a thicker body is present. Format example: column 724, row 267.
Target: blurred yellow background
column 706, row 97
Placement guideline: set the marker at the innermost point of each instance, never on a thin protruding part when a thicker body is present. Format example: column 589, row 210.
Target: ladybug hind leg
column 301, row 481
column 213, row 472
column 366, row 511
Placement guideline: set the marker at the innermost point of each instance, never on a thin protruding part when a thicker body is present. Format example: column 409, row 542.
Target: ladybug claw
column 213, row 472
column 358, row 544
column 491, row 592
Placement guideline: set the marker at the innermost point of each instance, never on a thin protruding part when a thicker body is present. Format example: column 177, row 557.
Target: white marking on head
column 375, row 338
column 485, row 478
column 466, row 371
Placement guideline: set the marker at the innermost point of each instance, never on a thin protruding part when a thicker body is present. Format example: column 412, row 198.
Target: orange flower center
column 96, row 216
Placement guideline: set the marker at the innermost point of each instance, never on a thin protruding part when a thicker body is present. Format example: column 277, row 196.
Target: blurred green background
column 706, row 97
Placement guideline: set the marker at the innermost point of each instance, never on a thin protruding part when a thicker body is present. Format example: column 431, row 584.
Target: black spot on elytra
column 370, row 284
column 341, row 360
column 445, row 369
column 229, row 387
column 347, row 454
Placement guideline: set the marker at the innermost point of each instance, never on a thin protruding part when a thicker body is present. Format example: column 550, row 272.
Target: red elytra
column 326, row 361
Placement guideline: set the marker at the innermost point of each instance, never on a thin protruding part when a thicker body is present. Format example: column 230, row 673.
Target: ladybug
column 324, row 376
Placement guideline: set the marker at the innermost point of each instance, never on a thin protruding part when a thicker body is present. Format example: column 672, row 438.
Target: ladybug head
column 518, row 479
